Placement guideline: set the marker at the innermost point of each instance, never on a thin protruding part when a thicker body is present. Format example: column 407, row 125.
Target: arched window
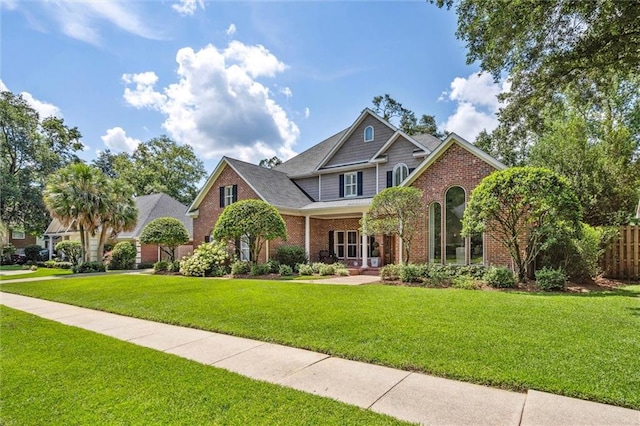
column 455, row 242
column 435, row 233
column 400, row 173
column 368, row 134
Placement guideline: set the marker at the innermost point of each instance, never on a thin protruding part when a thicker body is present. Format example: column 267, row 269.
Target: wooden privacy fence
column 622, row 257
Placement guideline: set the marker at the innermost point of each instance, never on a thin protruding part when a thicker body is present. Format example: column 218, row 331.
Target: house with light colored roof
column 150, row 207
column 323, row 192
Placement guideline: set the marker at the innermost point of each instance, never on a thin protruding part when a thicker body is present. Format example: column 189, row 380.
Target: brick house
column 323, row 192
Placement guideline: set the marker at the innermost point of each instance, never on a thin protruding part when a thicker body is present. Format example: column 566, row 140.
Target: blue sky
column 249, row 80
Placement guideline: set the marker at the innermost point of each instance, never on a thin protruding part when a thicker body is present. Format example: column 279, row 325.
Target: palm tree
column 78, row 193
column 120, row 213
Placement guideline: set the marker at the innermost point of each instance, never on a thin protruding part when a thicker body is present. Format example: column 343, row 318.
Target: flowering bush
column 207, row 260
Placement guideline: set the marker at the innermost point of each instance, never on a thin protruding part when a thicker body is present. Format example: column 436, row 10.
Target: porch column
column 266, row 246
column 365, row 257
column 307, row 240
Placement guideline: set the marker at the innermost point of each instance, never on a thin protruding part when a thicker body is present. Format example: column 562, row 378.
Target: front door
column 389, row 249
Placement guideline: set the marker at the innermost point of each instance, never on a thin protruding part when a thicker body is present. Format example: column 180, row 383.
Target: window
column 352, row 244
column 400, row 173
column 340, row 244
column 228, row 195
column 455, row 242
column 368, row 134
column 350, row 184
column 17, row 234
column 435, row 233
column 245, row 252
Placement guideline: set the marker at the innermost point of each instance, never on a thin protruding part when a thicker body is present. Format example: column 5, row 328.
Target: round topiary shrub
column 161, row 266
column 291, row 255
column 123, row 256
column 89, row 267
column 548, row 279
column 500, row 277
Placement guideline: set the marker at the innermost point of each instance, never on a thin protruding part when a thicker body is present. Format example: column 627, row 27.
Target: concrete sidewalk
column 408, row 396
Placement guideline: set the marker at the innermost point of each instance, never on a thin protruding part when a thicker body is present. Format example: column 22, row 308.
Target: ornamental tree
column 525, row 209
column 254, row 221
column 167, row 232
column 395, row 211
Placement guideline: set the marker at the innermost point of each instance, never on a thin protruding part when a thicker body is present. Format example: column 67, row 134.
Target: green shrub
column 258, row 269
column 548, row 279
column 410, row 273
column 316, row 267
column 304, row 269
column 274, row 266
column 390, row 272
column 440, row 276
column 286, row 270
column 123, row 256
column 63, row 265
column 208, row 260
column 500, row 277
column 161, row 266
column 33, row 268
column 475, row 271
column 464, row 282
column 327, row 270
column 145, row 265
column 32, row 252
column 71, row 250
column 8, row 250
column 341, row 271
column 240, row 267
column 50, row 264
column 174, row 266
column 291, row 255
column 89, row 267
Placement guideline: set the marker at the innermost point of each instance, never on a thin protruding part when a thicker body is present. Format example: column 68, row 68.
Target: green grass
column 10, row 267
column 56, row 374
column 41, row 272
column 585, row 346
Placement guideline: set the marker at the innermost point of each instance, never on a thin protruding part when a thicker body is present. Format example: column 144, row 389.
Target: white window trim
column 245, row 251
column 17, row 234
column 395, row 169
column 353, row 185
column 228, row 195
column 373, row 134
column 354, row 244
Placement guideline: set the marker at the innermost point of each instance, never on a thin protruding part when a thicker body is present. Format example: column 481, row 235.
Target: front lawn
column 41, row 272
column 56, row 374
column 584, row 346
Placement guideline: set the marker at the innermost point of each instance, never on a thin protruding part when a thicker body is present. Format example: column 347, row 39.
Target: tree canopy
column 395, row 211
column 31, row 149
column 393, row 112
column 525, row 209
column 158, row 165
column 270, row 163
column 255, row 221
column 167, row 232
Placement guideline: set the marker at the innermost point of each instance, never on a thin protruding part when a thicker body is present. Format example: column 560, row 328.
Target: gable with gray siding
column 355, row 149
column 401, row 151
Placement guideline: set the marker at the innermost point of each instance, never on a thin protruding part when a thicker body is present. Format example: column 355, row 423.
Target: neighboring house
column 19, row 239
column 323, row 193
column 150, row 207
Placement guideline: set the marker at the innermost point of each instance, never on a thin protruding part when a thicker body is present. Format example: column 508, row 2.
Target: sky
column 249, row 80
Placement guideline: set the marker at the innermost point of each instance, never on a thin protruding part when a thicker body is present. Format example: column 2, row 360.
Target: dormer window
column 400, row 173
column 368, row 134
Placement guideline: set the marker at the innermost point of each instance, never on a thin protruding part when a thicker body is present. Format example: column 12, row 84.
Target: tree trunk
column 100, row 249
column 83, row 244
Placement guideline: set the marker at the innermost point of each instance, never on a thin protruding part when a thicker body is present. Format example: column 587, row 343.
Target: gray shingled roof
column 428, row 141
column 307, row 161
column 273, row 185
column 158, row 205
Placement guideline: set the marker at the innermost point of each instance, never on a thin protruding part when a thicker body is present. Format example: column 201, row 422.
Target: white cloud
column 307, row 112
column 187, row 7
column 116, row 139
column 44, row 109
column 286, row 91
column 82, row 20
column 217, row 105
column 477, row 104
column 231, row 30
